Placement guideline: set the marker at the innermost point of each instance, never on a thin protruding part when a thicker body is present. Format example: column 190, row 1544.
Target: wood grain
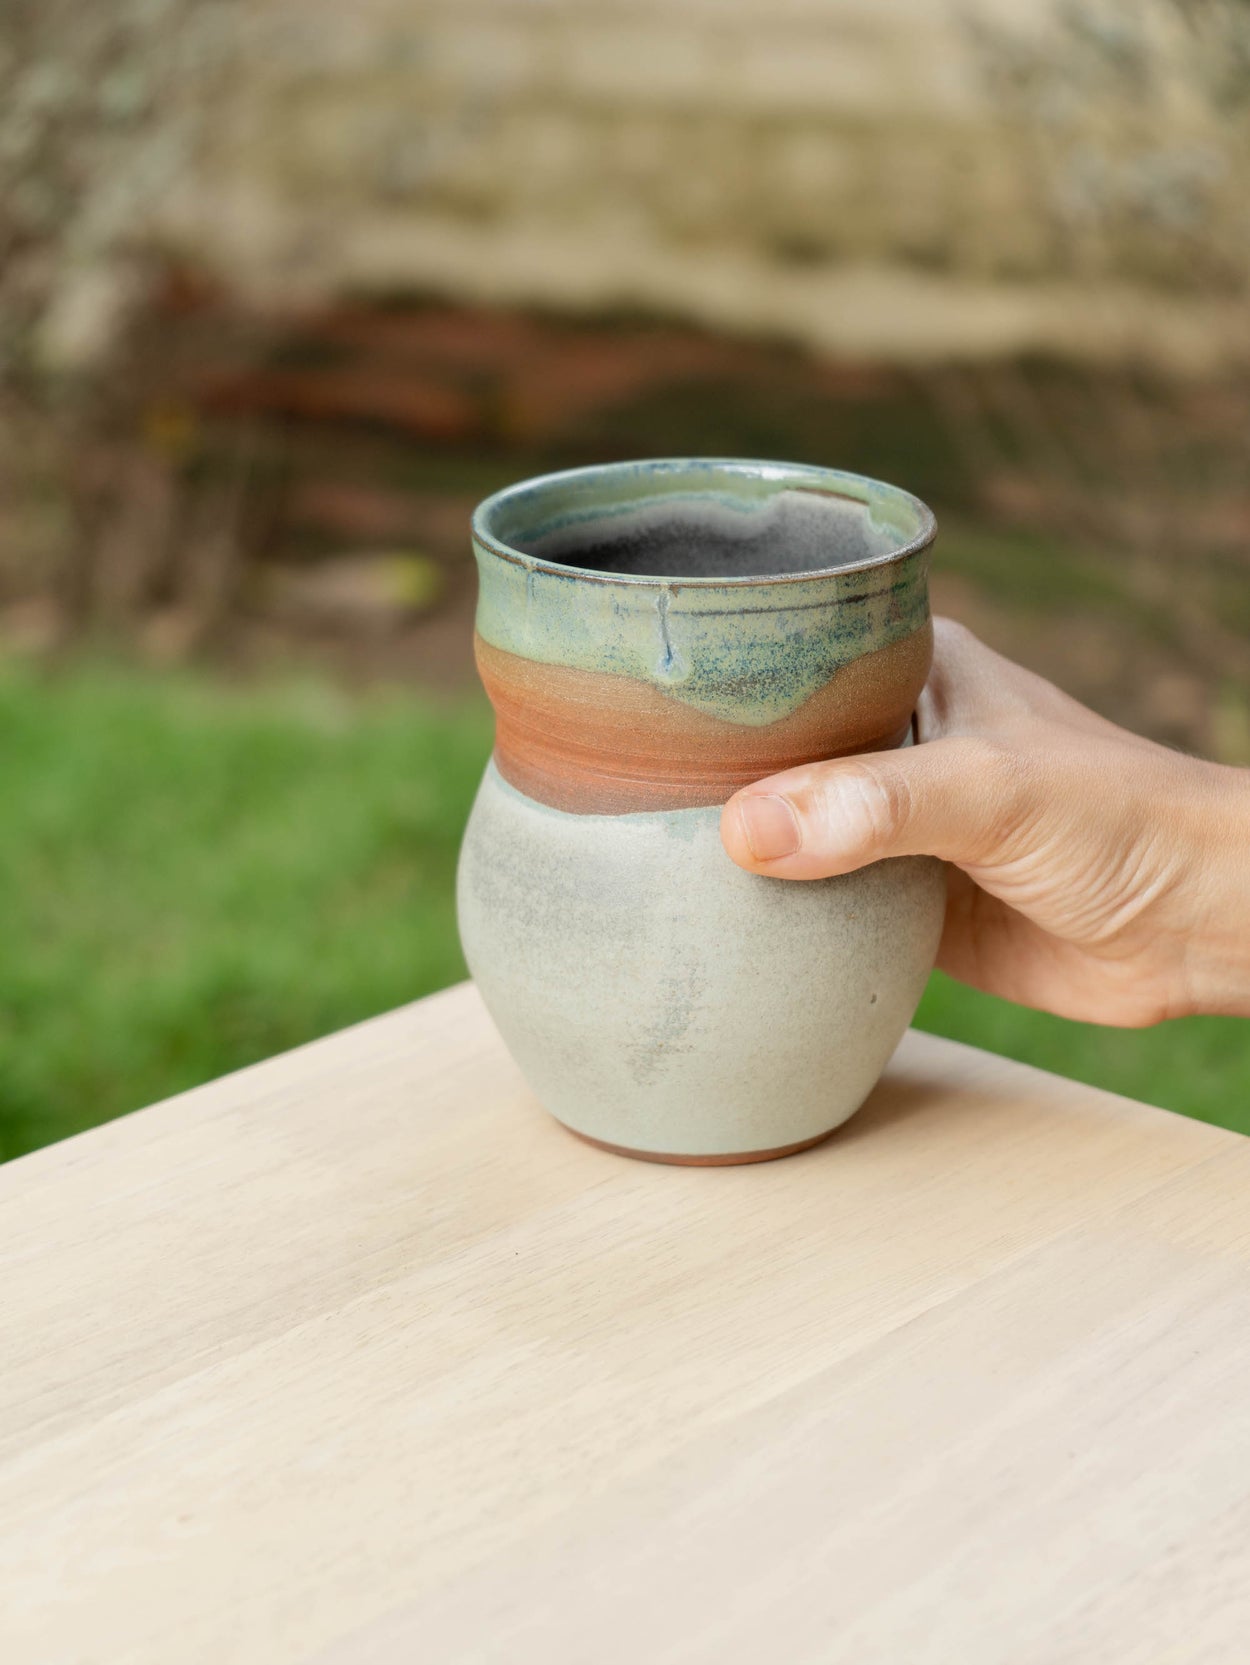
column 356, row 1356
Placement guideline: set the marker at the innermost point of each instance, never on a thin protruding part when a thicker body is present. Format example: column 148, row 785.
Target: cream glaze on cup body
column 653, row 636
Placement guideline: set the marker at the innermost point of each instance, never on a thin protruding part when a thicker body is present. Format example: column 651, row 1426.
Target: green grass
column 192, row 878
column 195, row 876
column 1199, row 1066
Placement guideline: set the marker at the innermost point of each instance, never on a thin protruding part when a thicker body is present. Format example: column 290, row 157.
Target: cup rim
column 807, row 476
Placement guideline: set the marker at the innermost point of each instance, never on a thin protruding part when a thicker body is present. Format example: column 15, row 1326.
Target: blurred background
column 286, row 286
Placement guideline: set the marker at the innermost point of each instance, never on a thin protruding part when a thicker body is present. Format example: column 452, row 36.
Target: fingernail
column 769, row 826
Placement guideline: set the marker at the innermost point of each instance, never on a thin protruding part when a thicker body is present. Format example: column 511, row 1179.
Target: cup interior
column 702, row 520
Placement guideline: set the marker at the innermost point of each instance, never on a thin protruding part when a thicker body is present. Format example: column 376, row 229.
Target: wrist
column 1217, row 949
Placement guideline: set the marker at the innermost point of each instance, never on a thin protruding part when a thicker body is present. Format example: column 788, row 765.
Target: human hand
column 1094, row 874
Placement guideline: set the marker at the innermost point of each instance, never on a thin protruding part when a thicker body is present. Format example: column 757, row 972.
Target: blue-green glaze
column 747, row 649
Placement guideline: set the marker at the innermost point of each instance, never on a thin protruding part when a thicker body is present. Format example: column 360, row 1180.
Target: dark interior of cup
column 698, row 537
column 705, row 520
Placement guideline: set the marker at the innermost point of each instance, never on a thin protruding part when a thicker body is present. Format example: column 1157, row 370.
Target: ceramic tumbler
column 653, row 636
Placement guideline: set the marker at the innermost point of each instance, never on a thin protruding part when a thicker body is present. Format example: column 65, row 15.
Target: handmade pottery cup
column 653, row 636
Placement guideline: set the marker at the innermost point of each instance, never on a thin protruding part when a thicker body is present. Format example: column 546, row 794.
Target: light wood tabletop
column 357, row 1357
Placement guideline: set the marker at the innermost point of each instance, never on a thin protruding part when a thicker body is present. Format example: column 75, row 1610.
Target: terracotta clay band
column 736, row 1159
column 595, row 743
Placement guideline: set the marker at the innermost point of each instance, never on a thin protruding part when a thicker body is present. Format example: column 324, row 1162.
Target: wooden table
column 357, row 1357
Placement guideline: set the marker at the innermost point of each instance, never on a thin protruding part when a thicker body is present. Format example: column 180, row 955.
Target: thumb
column 960, row 798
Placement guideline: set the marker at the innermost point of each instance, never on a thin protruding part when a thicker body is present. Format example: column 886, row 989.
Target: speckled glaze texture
column 661, row 1000
column 652, row 637
column 616, row 691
